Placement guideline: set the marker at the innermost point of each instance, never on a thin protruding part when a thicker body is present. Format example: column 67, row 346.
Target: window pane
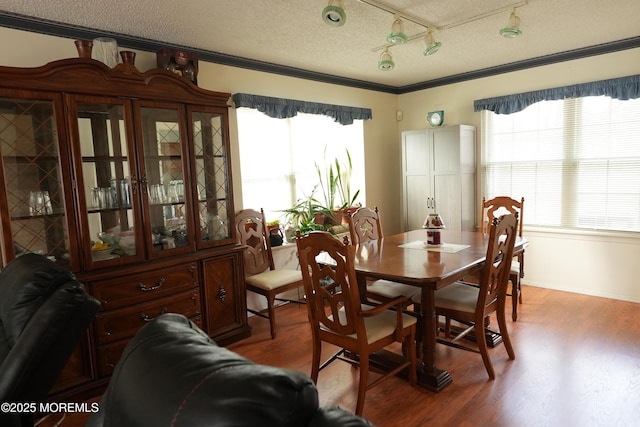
column 278, row 157
column 575, row 161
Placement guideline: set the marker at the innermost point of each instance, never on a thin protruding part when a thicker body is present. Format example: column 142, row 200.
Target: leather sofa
column 44, row 312
column 173, row 374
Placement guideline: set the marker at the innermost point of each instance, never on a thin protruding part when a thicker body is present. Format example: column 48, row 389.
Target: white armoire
column 439, row 176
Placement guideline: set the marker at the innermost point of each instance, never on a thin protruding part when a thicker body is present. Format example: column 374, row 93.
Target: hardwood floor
column 577, row 364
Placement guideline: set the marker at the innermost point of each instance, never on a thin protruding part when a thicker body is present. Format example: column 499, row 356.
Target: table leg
column 429, row 376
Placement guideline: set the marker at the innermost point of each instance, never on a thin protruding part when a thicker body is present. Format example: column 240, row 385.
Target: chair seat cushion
column 273, row 279
column 515, row 267
column 457, row 296
column 378, row 326
column 391, row 289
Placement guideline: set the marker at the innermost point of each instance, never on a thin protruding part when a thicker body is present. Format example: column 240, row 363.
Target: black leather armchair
column 44, row 313
column 173, row 374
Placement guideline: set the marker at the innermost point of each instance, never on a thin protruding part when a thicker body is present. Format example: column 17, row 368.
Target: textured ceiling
column 292, row 33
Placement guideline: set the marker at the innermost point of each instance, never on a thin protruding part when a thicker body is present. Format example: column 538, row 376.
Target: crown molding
column 42, row 26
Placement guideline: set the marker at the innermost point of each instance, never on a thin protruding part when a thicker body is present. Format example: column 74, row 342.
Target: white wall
column 598, row 264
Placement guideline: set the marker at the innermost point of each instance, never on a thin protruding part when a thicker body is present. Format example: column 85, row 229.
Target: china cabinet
column 124, row 178
column 439, row 176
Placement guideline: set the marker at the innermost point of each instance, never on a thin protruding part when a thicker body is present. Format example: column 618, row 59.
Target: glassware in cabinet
column 108, row 184
column 163, row 136
column 212, row 170
column 32, row 173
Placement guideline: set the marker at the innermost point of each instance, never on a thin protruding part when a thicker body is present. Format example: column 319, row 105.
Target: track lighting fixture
column 386, row 61
column 430, row 45
column 334, row 14
column 397, row 35
column 513, row 30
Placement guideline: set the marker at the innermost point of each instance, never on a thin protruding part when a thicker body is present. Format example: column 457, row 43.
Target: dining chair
column 338, row 317
column 364, row 226
column 472, row 305
column 491, row 209
column 261, row 276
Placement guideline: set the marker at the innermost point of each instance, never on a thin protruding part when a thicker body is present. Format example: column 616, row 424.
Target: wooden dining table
column 405, row 258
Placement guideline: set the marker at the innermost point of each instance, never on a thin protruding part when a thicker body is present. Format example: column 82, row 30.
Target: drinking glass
column 173, row 191
column 48, row 209
column 156, row 194
column 36, row 203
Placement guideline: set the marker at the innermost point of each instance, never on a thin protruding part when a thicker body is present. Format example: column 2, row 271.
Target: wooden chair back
column 337, row 316
column 330, row 285
column 365, row 225
column 495, row 275
column 252, row 233
column 493, row 208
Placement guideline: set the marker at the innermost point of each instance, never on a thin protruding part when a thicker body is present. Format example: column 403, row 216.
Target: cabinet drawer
column 142, row 287
column 109, row 355
column 125, row 322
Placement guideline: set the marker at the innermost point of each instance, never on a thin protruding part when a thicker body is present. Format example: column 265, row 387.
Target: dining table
column 406, row 258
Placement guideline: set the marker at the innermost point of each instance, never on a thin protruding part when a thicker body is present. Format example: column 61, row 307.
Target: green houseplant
column 304, row 215
column 335, row 183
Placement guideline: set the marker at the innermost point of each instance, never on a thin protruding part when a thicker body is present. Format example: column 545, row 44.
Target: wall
column 597, row 264
column 601, row 264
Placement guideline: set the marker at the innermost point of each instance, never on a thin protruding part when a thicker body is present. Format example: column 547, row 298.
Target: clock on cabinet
column 435, row 118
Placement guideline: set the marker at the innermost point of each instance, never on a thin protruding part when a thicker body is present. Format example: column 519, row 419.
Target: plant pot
column 344, row 214
column 290, row 234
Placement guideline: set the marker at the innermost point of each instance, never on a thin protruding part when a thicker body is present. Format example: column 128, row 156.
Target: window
column 576, row 162
column 278, row 157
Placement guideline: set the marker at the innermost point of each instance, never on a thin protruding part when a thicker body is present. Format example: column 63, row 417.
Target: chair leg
column 364, row 380
column 315, row 362
column 271, row 300
column 482, row 346
column 520, row 289
column 515, row 292
column 504, row 332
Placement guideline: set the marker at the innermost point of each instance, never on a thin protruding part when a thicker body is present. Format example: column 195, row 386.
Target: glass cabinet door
column 32, row 180
column 212, row 173
column 167, row 180
column 108, row 186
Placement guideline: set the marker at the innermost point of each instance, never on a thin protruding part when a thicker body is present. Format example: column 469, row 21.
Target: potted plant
column 335, row 183
column 273, row 225
column 274, row 233
column 306, row 215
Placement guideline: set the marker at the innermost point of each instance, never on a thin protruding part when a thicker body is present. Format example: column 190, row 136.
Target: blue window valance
column 622, row 88
column 281, row 108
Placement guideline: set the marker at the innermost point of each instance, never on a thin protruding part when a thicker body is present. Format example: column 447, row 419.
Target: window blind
column 576, row 161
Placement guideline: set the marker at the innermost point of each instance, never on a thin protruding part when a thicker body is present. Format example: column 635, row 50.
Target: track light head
column 430, row 45
column 334, row 15
column 513, row 30
column 397, row 35
column 386, row 61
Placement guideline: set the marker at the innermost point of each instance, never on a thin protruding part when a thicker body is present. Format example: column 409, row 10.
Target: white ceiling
column 292, row 33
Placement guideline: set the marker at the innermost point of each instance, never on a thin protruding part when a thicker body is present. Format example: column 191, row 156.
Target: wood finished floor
column 577, row 364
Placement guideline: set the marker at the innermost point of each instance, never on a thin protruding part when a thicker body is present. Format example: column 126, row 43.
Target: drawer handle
column 222, row 294
column 144, row 288
column 146, row 318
